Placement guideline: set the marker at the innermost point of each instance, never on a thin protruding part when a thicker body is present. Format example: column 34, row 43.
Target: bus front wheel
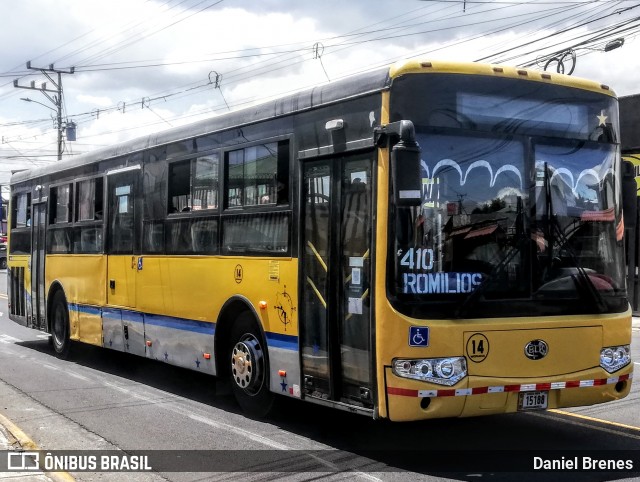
column 60, row 326
column 249, row 367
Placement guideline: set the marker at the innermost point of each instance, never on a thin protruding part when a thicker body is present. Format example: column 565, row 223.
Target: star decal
column 283, row 384
column 166, row 356
column 197, row 363
column 602, row 118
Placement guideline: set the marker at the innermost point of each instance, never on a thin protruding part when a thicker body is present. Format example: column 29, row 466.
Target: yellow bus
column 430, row 239
column 629, row 107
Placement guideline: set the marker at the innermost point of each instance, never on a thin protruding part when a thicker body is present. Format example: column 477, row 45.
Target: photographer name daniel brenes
column 581, row 463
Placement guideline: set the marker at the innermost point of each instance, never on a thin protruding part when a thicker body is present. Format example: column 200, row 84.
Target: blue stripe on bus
column 132, row 316
column 196, row 326
column 277, row 340
column 89, row 310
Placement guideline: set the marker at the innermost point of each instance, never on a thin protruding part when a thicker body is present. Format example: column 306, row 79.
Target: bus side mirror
column 629, row 195
column 405, row 172
column 406, row 176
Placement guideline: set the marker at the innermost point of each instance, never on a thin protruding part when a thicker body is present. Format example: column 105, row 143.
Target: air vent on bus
column 18, row 295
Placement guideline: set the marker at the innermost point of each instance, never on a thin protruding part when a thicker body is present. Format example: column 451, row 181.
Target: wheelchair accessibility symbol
column 419, row 336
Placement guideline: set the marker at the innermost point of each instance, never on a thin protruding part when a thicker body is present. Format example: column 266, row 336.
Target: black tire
column 60, row 326
column 249, row 367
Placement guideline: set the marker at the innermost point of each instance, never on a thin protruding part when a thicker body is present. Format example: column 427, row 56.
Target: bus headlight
column 613, row 358
column 443, row 371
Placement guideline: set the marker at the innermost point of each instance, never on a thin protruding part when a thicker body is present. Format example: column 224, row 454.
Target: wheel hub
column 246, row 360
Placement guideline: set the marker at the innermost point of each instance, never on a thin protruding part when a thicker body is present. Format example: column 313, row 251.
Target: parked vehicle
column 3, row 255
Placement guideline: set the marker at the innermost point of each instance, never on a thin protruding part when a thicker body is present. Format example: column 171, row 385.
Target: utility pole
column 55, row 99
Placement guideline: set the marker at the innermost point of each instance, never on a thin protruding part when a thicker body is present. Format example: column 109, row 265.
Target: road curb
column 27, row 444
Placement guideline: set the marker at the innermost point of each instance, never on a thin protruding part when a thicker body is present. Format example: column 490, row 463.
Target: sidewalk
column 14, row 439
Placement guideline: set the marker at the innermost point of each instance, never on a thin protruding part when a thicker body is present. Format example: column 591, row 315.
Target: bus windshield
column 509, row 214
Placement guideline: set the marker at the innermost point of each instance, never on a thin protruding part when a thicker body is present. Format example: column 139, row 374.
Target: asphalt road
column 102, row 400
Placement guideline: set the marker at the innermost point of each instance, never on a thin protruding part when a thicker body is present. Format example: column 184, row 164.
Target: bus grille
column 17, row 294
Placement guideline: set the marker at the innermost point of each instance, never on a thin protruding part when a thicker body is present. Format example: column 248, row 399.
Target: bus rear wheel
column 60, row 336
column 249, row 367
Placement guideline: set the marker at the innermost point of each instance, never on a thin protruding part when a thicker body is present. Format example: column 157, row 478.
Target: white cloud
column 97, row 101
column 112, row 35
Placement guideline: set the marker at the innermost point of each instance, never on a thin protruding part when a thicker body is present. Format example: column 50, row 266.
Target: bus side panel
column 82, row 279
column 121, row 279
column 181, row 298
column 113, row 335
column 180, row 341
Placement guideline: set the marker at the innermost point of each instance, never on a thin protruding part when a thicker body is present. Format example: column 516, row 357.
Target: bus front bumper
column 474, row 396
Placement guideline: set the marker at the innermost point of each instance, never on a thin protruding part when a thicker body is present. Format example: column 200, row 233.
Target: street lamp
column 27, row 99
column 614, row 44
column 54, row 95
column 70, row 126
column 569, row 55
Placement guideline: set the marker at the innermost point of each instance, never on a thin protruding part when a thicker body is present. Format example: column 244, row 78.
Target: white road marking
column 71, row 374
column 9, row 339
column 231, row 428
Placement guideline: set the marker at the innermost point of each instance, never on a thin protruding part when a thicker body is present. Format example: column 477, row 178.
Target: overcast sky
column 145, row 65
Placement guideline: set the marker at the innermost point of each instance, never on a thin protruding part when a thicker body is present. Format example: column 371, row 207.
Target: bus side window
column 258, row 174
column 153, row 237
column 356, row 213
column 193, row 184
column 178, row 236
column 59, row 242
column 255, row 234
column 179, row 186
column 204, row 235
column 121, row 219
column 21, row 210
column 60, row 204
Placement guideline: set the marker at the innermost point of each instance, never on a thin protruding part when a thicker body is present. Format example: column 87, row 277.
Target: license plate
column 533, row 400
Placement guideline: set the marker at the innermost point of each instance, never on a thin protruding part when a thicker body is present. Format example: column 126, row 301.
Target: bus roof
column 413, row 66
column 348, row 87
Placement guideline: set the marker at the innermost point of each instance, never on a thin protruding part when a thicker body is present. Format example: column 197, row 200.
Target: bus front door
column 123, row 326
column 335, row 323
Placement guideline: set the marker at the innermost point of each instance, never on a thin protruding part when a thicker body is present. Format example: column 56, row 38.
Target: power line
column 240, row 77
